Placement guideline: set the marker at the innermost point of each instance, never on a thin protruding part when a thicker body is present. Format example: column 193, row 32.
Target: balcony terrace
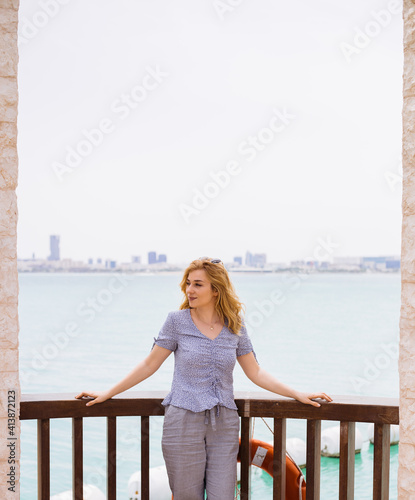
column 346, row 409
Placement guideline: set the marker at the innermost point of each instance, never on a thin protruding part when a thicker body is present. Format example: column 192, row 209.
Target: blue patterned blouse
column 203, row 367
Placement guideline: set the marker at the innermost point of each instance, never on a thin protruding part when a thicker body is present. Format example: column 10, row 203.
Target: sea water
column 334, row 332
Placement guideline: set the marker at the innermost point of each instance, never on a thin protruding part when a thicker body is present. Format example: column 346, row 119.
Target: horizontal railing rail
column 346, row 409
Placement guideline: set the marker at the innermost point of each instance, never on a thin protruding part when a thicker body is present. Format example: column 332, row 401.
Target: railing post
column 279, row 479
column 347, row 456
column 313, row 459
column 381, row 459
column 245, row 455
column 111, row 458
column 77, row 459
column 145, row 458
column 43, row 459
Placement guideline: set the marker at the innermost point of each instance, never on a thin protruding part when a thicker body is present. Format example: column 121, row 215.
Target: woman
column 201, row 426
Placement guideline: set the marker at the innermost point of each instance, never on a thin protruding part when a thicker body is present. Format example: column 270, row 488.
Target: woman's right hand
column 99, row 397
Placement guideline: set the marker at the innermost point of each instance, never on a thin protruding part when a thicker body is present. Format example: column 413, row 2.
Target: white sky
column 332, row 172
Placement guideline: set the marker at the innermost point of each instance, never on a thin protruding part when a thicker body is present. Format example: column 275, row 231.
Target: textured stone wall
column 9, row 327
column 406, row 479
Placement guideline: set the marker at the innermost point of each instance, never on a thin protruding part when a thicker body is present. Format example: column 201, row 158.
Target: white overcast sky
column 331, row 172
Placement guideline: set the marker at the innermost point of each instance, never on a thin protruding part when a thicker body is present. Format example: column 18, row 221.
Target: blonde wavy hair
column 227, row 304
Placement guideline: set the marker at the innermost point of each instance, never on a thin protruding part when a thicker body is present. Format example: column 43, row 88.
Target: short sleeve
column 167, row 337
column 245, row 344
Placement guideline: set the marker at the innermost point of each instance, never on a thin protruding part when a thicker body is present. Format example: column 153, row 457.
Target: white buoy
column 330, row 441
column 297, row 449
column 159, row 484
column 91, row 492
column 394, row 433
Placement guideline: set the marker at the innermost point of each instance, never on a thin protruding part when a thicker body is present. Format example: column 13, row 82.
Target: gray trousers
column 200, row 450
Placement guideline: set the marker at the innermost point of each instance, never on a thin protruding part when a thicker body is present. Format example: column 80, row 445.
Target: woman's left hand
column 307, row 398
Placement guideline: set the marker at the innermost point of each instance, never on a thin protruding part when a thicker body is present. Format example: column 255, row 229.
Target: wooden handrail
column 346, row 409
column 250, row 404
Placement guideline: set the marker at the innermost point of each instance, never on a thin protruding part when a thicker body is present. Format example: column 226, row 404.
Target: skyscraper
column 259, row 259
column 152, row 257
column 249, row 259
column 162, row 258
column 255, row 260
column 54, row 247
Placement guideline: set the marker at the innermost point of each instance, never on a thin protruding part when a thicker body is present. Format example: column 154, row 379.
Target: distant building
column 259, row 259
column 393, row 264
column 90, row 261
column 347, row 261
column 249, row 259
column 99, row 260
column 136, row 259
column 110, row 264
column 54, row 247
column 162, row 258
column 152, row 257
column 255, row 260
column 380, row 263
column 238, row 260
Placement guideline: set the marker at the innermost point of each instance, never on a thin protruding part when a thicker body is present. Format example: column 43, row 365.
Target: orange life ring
column 262, row 455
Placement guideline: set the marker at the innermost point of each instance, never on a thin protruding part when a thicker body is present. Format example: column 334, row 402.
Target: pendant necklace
column 211, row 326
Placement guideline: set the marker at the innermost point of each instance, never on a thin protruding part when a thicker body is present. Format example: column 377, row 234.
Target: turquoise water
column 336, row 333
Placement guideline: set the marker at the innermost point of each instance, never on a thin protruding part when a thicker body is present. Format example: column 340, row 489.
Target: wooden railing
column 346, row 409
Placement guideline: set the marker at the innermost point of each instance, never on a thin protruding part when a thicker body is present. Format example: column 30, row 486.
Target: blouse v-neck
column 201, row 333
column 203, row 367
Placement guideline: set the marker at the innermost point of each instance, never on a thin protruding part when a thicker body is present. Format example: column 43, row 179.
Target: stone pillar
column 406, row 475
column 9, row 327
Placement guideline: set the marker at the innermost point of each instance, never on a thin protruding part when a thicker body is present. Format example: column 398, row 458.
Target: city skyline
column 246, row 258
